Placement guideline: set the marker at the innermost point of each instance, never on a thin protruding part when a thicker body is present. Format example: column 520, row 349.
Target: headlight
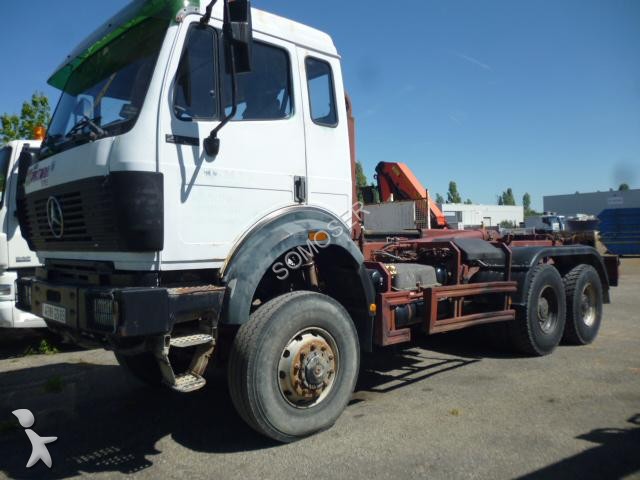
column 105, row 313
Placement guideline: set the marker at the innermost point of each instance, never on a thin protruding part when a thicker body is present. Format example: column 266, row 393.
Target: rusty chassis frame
column 455, row 296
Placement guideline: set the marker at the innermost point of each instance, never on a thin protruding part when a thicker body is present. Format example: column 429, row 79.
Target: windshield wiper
column 87, row 122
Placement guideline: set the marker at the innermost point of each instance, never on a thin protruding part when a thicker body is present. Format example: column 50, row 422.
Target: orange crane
column 396, row 182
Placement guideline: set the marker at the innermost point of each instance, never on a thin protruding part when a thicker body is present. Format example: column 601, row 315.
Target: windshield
column 104, row 95
column 5, row 156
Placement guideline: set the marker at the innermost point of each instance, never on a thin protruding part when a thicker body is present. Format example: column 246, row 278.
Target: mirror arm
column 207, row 14
column 212, row 142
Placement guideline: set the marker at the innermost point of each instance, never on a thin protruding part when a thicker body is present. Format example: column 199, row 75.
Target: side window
column 322, row 96
column 265, row 93
column 195, row 94
column 5, row 156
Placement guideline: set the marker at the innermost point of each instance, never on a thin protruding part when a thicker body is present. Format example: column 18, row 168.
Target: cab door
column 210, row 202
column 326, row 132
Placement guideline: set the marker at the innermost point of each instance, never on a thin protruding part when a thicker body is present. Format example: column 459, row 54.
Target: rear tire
column 294, row 366
column 539, row 325
column 583, row 289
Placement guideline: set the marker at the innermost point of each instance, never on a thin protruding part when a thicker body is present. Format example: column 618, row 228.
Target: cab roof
column 140, row 10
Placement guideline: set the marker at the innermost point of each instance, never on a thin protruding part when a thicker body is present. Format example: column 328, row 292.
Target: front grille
column 121, row 212
column 75, row 227
column 23, row 294
column 87, row 212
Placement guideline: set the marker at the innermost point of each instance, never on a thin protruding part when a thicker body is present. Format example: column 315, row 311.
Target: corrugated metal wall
column 591, row 203
column 620, row 230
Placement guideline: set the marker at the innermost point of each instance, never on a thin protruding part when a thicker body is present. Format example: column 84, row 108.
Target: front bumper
column 119, row 312
column 11, row 317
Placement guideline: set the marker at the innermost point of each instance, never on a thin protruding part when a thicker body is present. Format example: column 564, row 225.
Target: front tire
column 583, row 289
column 294, row 366
column 539, row 325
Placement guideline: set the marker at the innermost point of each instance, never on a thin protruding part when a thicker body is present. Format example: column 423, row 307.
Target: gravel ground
column 449, row 407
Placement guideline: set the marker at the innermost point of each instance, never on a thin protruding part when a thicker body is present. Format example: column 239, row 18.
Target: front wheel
column 294, row 366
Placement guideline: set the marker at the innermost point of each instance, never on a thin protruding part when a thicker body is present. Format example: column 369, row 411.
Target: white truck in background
column 15, row 257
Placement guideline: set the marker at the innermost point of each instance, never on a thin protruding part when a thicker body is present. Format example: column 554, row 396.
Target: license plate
column 51, row 312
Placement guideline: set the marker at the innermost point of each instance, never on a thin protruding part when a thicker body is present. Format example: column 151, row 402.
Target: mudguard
column 269, row 240
column 525, row 258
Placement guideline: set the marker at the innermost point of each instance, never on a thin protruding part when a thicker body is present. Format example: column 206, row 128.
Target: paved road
column 449, row 408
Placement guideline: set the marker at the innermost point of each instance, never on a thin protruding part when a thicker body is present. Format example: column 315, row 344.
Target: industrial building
column 408, row 215
column 591, row 203
column 465, row 216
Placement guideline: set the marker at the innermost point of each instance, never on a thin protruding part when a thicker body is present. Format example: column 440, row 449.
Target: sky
column 540, row 96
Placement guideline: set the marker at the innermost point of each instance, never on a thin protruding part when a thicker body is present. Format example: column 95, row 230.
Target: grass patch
column 44, row 348
column 54, row 385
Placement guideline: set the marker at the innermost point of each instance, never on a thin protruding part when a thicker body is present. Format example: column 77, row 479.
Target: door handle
column 300, row 189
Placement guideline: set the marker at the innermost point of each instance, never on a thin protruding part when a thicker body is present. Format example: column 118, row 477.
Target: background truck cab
column 15, row 257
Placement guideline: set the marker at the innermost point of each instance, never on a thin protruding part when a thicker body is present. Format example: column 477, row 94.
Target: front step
column 203, row 345
column 188, row 383
column 192, row 340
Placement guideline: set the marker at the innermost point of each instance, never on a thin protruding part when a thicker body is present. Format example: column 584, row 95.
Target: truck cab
column 141, row 226
column 15, row 257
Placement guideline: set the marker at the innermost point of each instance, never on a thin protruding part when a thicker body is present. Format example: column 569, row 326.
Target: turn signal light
column 319, row 236
column 39, row 133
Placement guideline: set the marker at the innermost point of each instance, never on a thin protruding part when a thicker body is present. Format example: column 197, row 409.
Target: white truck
column 193, row 202
column 15, row 257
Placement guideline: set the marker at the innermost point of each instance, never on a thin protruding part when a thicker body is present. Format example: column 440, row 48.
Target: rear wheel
column 539, row 325
column 583, row 289
column 294, row 365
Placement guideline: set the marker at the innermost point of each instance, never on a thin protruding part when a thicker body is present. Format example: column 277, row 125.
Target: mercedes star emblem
column 54, row 217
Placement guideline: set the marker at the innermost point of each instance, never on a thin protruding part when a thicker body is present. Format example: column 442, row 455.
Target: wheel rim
column 588, row 305
column 308, row 368
column 547, row 310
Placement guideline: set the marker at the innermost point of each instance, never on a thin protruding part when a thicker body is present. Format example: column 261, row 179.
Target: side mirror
column 238, row 35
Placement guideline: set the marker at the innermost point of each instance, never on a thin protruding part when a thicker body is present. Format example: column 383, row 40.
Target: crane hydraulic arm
column 397, row 182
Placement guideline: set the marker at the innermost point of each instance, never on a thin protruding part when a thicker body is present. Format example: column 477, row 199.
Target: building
column 409, row 215
column 465, row 216
column 591, row 203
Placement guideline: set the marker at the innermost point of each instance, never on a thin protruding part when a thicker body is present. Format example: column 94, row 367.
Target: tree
column 361, row 178
column 439, row 199
column 34, row 113
column 624, row 187
column 468, row 202
column 526, row 203
column 452, row 195
column 507, row 198
column 361, row 181
column 507, row 224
